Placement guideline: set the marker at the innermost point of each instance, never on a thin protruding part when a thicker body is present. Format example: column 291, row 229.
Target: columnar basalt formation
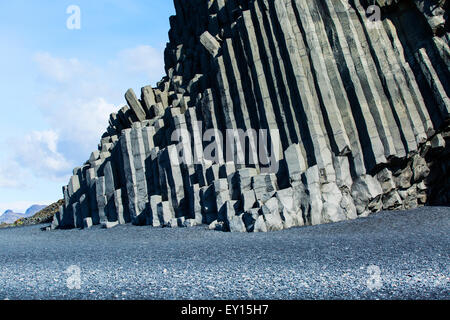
column 360, row 108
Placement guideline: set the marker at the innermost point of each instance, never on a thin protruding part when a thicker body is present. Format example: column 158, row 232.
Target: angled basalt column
column 181, row 136
column 154, row 188
column 171, row 179
column 417, row 40
column 296, row 164
column 118, row 206
column 210, row 43
column 211, row 124
column 72, row 194
column 276, row 74
column 305, row 103
column 269, row 72
column 162, row 176
column 371, row 143
column 162, row 97
column 263, row 101
column 443, row 49
column 382, row 60
column 333, row 29
column 338, row 87
column 84, row 208
column 315, row 39
column 244, row 179
column 148, row 99
column 411, row 82
column 344, row 182
column 165, row 212
column 400, row 92
column 227, row 107
column 66, row 214
column 110, row 189
column 101, row 199
column 169, row 124
column 221, row 193
column 208, row 203
column 312, row 178
column 133, row 152
column 287, row 129
column 185, row 153
column 92, row 195
column 264, row 186
column 74, row 186
column 195, row 206
column 77, row 216
column 114, row 122
column 235, row 49
column 154, row 220
column 195, row 129
column 148, row 134
column 233, row 77
column 412, row 39
column 138, row 151
column 287, row 85
column 370, row 83
column 126, row 116
column 212, row 172
column 434, row 82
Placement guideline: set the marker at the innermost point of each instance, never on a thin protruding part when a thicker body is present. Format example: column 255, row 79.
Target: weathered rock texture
column 362, row 110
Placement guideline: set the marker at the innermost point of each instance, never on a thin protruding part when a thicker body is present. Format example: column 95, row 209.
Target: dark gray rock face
column 355, row 110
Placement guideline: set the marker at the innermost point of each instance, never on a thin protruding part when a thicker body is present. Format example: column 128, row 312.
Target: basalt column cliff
column 346, row 115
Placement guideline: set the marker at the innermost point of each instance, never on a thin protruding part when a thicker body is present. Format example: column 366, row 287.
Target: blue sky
column 58, row 86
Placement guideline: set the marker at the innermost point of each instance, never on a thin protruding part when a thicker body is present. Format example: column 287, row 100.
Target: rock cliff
column 275, row 114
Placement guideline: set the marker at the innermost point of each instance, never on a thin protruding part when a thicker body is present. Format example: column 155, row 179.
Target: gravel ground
column 390, row 255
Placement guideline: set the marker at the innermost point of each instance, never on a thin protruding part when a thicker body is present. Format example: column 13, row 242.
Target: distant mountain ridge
column 34, row 209
column 9, row 216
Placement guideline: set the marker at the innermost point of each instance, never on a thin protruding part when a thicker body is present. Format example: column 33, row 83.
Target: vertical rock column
column 133, row 153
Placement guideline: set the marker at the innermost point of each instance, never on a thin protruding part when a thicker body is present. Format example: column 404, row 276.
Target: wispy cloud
column 38, row 152
column 141, row 59
column 58, row 69
column 76, row 98
column 12, row 175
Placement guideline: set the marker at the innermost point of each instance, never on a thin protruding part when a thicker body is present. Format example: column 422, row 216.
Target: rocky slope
column 350, row 116
column 45, row 215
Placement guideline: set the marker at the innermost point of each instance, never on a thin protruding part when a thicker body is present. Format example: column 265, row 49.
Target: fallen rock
column 110, row 225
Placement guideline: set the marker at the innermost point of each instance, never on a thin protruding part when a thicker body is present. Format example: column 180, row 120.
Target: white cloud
column 38, row 151
column 34, row 157
column 57, row 69
column 12, row 175
column 76, row 98
column 80, row 121
column 79, row 109
column 142, row 59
